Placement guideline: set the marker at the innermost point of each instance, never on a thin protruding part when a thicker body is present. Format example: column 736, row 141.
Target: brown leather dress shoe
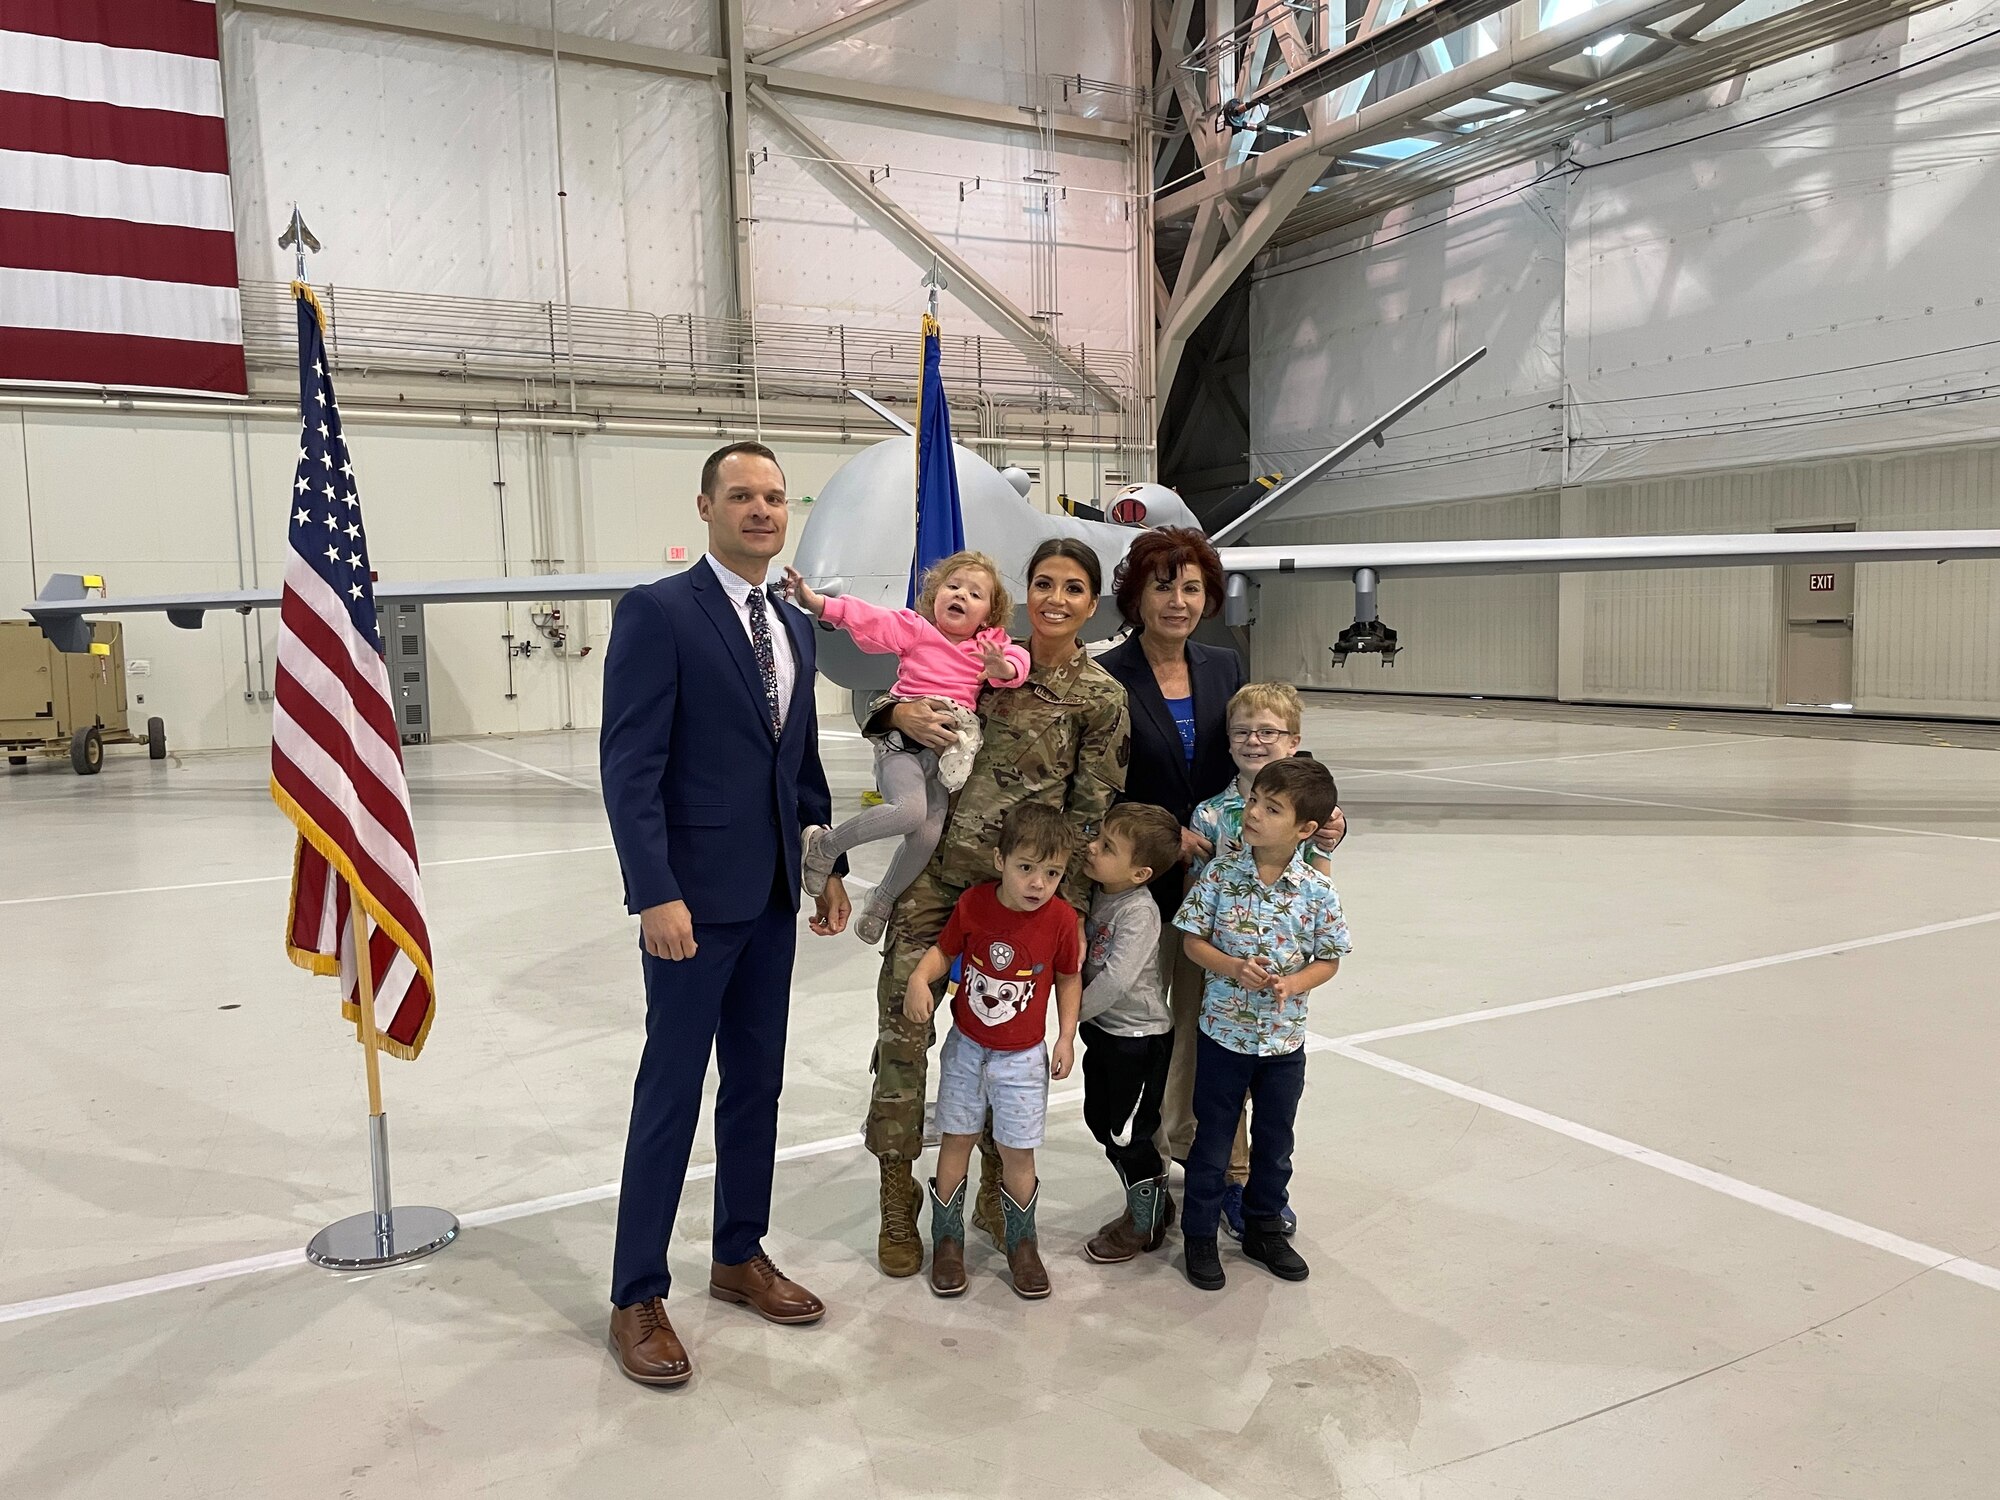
column 760, row 1286
column 648, row 1349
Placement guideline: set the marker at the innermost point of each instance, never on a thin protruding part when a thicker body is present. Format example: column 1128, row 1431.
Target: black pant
column 1124, row 1079
column 732, row 999
column 1222, row 1080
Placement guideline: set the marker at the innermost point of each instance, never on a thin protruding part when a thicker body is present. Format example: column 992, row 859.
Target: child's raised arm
column 885, row 632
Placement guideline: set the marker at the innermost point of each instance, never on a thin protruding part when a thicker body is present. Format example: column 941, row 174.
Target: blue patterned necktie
column 767, row 664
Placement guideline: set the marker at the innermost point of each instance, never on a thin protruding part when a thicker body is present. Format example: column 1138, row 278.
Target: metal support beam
column 838, row 27
column 1513, row 60
column 736, row 109
column 1200, row 299
column 923, row 248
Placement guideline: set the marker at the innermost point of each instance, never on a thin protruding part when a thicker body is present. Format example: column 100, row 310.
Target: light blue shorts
column 973, row 1079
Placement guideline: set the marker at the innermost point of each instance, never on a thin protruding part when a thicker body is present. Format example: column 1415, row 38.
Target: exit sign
column 1819, row 583
column 680, row 554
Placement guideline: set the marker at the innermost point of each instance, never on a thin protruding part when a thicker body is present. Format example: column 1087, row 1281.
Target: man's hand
column 1331, row 832
column 993, row 663
column 928, row 725
column 803, row 593
column 1062, row 1059
column 1194, row 846
column 668, row 930
column 831, row 913
column 918, row 1002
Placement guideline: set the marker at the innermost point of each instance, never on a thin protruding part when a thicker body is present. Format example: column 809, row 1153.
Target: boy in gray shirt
column 1127, row 1026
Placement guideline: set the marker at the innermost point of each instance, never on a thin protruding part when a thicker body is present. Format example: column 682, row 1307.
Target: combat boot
column 948, row 1241
column 1142, row 1227
column 1024, row 1258
column 900, row 1249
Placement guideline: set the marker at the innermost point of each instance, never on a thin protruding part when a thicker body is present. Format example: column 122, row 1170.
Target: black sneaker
column 1264, row 1240
column 1204, row 1264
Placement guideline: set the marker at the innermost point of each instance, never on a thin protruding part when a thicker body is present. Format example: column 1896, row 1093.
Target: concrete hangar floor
column 1649, row 1151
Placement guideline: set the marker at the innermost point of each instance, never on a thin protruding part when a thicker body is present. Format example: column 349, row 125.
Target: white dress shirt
column 782, row 656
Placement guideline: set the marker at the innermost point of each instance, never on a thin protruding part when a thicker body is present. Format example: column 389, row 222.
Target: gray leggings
column 913, row 810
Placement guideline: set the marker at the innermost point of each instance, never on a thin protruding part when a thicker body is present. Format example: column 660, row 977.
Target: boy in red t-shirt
column 1018, row 939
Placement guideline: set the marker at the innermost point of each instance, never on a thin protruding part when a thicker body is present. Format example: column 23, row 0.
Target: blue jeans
column 1222, row 1080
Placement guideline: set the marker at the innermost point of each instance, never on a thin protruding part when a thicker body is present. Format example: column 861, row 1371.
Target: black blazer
column 1159, row 772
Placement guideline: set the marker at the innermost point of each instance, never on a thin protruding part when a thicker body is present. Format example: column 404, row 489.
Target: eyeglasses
column 1258, row 736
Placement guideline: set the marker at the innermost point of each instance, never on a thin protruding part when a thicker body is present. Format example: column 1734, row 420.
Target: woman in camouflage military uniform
column 1062, row 739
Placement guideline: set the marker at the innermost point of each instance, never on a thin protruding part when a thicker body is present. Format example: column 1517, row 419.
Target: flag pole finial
column 298, row 239
column 933, row 283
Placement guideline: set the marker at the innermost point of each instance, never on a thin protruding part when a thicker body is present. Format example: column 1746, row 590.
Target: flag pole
column 385, row 1235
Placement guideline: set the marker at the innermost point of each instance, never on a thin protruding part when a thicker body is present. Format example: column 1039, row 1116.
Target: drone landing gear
column 1367, row 635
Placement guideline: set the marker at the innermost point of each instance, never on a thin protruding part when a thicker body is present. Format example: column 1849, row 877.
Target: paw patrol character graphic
column 996, row 990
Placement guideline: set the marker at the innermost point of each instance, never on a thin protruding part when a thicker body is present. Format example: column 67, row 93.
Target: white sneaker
column 815, row 863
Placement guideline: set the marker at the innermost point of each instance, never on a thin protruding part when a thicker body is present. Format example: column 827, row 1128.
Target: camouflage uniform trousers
column 895, row 1128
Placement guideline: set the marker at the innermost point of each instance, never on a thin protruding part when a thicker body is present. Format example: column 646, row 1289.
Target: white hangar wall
column 1732, row 319
column 427, row 165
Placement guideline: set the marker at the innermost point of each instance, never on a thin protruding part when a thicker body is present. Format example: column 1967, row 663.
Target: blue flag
column 940, row 523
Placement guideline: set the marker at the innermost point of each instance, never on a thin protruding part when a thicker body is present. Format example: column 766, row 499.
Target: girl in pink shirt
column 947, row 648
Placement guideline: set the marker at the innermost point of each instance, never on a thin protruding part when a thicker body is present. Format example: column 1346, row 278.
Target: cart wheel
column 156, row 739
column 86, row 751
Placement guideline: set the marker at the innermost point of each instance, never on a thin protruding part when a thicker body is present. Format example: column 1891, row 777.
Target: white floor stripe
column 210, row 885
column 1727, row 812
column 284, row 1260
column 1928, row 1256
column 1639, row 986
column 1543, row 760
column 581, row 786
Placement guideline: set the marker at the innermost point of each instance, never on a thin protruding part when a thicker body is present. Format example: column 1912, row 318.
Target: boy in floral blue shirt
column 1269, row 930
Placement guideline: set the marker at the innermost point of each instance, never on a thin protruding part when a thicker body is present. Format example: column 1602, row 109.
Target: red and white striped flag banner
column 336, row 757
column 117, row 238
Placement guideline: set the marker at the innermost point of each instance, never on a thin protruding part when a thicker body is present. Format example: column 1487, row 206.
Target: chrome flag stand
column 385, row 1235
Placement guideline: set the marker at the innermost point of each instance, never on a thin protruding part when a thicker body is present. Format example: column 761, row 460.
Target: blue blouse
column 1183, row 711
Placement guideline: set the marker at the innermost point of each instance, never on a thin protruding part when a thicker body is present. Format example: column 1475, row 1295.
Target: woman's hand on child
column 804, row 594
column 1331, row 832
column 1062, row 1059
column 929, row 726
column 918, row 1003
column 1194, row 846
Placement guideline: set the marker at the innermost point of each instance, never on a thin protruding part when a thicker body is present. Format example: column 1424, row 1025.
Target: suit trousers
column 732, row 998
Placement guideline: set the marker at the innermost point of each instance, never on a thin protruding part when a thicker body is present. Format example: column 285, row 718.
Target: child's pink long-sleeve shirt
column 929, row 664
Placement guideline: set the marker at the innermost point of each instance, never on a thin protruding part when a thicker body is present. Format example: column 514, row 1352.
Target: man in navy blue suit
column 710, row 762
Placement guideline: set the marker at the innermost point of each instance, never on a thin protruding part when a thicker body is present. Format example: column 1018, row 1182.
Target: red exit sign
column 1819, row 583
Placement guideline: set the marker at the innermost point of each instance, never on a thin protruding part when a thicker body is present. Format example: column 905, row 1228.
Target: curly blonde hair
column 1000, row 611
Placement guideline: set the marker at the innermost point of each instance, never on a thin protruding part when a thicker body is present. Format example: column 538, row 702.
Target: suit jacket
column 704, row 806
column 1159, row 772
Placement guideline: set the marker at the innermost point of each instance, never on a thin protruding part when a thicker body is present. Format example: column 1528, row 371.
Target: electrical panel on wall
column 402, row 627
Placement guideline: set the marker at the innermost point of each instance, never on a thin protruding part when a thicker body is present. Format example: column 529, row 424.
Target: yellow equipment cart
column 55, row 703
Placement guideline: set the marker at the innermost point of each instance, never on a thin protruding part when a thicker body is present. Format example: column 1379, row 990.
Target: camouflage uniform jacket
column 1063, row 738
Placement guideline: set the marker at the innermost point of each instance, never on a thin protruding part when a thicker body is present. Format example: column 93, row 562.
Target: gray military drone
column 861, row 532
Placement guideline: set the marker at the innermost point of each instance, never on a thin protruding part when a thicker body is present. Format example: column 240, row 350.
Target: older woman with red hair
column 1178, row 693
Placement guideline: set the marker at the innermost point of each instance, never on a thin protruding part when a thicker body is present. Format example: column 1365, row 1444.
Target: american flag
column 117, row 239
column 336, row 759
